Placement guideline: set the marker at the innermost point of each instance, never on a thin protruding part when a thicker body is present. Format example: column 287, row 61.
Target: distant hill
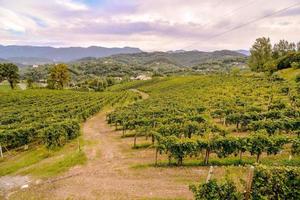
column 3, row 60
column 153, row 63
column 159, row 63
column 181, row 58
column 244, row 52
column 27, row 53
column 30, row 60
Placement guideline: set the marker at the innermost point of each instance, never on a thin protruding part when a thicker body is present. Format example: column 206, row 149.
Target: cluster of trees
column 60, row 76
column 265, row 58
column 97, row 84
column 9, row 72
column 267, row 183
column 34, row 75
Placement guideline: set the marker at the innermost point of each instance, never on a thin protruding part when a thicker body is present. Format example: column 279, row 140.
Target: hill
column 3, row 60
column 60, row 54
column 30, row 60
column 186, row 58
column 160, row 63
column 244, row 52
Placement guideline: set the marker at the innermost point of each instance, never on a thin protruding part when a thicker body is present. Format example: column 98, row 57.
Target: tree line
column 267, row 58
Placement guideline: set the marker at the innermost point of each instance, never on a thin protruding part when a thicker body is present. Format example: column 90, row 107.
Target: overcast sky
column 148, row 24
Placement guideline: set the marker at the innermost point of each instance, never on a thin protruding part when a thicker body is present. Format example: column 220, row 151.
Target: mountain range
column 43, row 54
column 40, row 55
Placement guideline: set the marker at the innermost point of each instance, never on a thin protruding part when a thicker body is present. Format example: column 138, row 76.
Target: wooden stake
column 210, row 172
column 156, row 155
column 78, row 144
column 249, row 183
column 1, row 153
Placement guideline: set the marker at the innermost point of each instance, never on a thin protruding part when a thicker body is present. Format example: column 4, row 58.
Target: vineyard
column 167, row 129
column 234, row 120
column 221, row 115
column 49, row 117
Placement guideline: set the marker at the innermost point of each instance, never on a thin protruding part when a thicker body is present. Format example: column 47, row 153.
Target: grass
column 58, row 166
column 42, row 162
column 22, row 160
column 5, row 87
column 272, row 160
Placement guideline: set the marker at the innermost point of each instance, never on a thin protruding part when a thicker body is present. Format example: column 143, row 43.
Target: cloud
column 291, row 12
column 148, row 24
column 72, row 5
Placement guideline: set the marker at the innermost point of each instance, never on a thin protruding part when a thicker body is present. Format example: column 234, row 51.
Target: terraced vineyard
column 51, row 117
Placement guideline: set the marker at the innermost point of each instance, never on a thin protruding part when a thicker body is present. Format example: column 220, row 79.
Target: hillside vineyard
column 225, row 115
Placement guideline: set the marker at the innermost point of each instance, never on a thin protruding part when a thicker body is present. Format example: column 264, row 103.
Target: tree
column 58, row 76
column 298, row 46
column 9, row 72
column 261, row 53
column 282, row 48
column 33, row 75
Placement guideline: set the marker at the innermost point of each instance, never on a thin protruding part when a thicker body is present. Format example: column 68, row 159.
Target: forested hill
column 185, row 58
column 150, row 64
column 160, row 63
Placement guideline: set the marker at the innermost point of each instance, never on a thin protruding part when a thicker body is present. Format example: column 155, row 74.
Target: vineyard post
column 78, row 144
column 249, row 183
column 210, row 172
column 156, row 155
column 134, row 140
column 1, row 151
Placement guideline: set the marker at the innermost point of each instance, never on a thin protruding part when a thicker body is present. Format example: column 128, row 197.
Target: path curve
column 110, row 172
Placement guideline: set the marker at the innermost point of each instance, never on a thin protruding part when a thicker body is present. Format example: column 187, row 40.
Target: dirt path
column 143, row 94
column 113, row 171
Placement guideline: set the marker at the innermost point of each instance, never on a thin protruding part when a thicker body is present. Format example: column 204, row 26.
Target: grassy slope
column 4, row 87
column 289, row 74
column 40, row 162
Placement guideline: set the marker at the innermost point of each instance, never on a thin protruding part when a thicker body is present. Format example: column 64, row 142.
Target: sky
column 152, row 25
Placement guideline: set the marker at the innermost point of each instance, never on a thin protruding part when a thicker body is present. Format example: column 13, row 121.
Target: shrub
column 213, row 190
column 276, row 183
